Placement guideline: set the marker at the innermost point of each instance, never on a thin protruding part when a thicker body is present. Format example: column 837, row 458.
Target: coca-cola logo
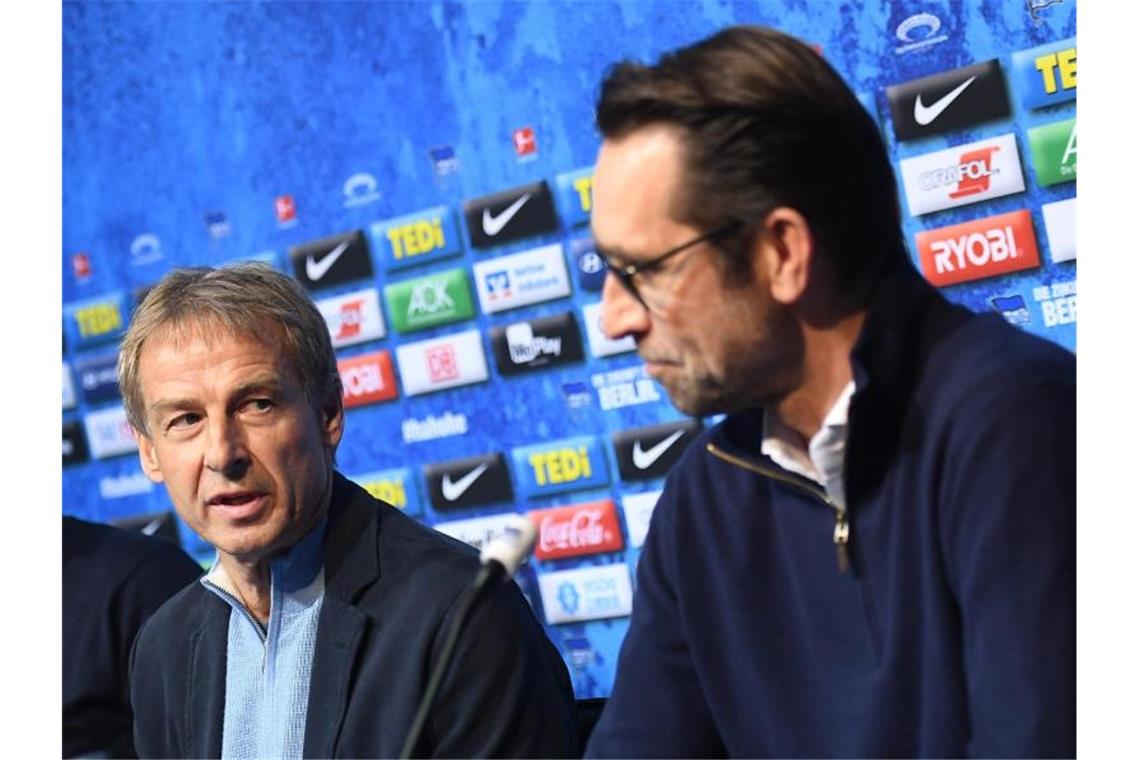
column 577, row 529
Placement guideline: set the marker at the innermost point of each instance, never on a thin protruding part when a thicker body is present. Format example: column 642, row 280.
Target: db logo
column 578, row 529
column 974, row 250
column 442, row 363
column 367, row 379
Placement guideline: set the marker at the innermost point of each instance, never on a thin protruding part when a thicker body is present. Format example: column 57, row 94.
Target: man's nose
column 227, row 450
column 622, row 314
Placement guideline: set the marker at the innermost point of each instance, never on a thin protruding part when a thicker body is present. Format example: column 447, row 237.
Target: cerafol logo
column 532, row 344
column 966, row 174
column 577, row 529
column 469, row 482
column 359, row 189
column 576, row 195
column 624, row 387
column 591, row 268
column 638, row 508
column 68, row 388
column 353, row 317
column 367, row 379
column 96, row 320
column 1058, row 303
column 431, row 427
column 567, row 465
column 588, row 593
column 948, row 101
column 444, row 362
column 1054, row 150
column 439, row 298
column 332, row 261
column 146, row 249
column 649, row 452
column 395, row 486
column 108, row 433
column 522, row 279
column 416, row 238
column 918, row 31
column 477, row 531
column 1061, row 229
column 600, row 345
column 981, row 248
column 74, row 444
column 1046, row 74
column 510, row 215
column 1013, row 308
column 99, row 379
column 286, row 211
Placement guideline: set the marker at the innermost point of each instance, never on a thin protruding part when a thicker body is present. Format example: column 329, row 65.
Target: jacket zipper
column 241, row 606
column 841, row 536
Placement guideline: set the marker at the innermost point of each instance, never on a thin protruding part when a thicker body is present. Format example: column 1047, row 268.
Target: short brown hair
column 766, row 122
column 250, row 298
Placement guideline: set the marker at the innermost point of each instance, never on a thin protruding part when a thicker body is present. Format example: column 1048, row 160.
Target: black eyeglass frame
column 625, row 274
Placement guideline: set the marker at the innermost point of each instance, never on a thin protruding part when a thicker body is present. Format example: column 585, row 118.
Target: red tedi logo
column 983, row 248
column 578, row 529
column 525, row 142
column 442, row 363
column 351, row 319
column 81, row 265
column 285, row 208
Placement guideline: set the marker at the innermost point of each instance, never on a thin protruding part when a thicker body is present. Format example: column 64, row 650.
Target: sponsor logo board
column 576, row 530
column 333, row 260
column 444, row 162
column 638, row 508
column 978, row 171
column 1012, row 308
column 1054, row 151
column 521, row 279
column 432, row 427
column 536, row 343
column 145, row 249
column 1061, row 229
column 74, row 444
column 588, row 593
column 477, row 531
column 217, row 224
column 395, row 486
column 948, row 101
column 68, row 388
column 108, row 433
column 576, row 195
column 96, row 320
column 589, row 263
column 978, row 249
column 99, row 379
column 285, row 210
column 470, row 482
column 576, row 394
column 416, row 238
column 437, row 299
column 649, row 452
column 1046, row 74
column 444, row 362
column 367, row 378
column 525, row 142
column 1058, row 303
column 510, row 215
column 600, row 345
column 353, row 317
column 565, row 465
column 918, row 31
column 625, row 387
column 359, row 189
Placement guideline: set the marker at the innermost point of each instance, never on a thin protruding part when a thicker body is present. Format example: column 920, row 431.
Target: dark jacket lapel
column 206, row 686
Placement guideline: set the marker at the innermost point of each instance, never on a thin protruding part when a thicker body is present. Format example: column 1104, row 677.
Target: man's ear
column 787, row 248
column 148, row 457
column 332, row 420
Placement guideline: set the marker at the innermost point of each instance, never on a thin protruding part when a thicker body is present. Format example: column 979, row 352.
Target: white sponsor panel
column 600, row 345
column 353, row 317
column 478, row 531
column 521, row 279
column 1061, row 227
column 444, row 362
column 587, row 593
column 120, row 486
column 68, row 388
column 108, row 433
column 961, row 175
column 638, row 508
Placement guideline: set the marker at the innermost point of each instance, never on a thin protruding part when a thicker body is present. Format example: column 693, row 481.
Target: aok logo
column 983, row 248
column 429, row 298
column 367, row 379
column 971, row 174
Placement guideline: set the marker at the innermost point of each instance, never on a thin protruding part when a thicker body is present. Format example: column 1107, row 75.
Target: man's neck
column 250, row 582
column 827, row 371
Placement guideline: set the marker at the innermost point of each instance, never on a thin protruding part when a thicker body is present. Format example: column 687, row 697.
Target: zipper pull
column 842, row 532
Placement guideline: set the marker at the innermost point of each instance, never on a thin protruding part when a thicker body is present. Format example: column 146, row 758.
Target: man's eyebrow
column 615, row 255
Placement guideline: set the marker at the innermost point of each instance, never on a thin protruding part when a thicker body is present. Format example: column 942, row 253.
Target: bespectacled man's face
column 716, row 341
column 246, row 459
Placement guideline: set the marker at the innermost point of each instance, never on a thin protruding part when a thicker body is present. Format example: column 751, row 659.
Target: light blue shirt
column 268, row 668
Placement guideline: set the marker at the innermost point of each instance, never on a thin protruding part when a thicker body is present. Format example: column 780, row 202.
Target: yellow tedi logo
column 560, row 466
column 391, row 491
column 98, row 320
column 1060, row 65
column 418, row 237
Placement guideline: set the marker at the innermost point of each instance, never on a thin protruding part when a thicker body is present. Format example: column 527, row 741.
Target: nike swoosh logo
column 925, row 114
column 452, row 491
column 315, row 270
column 643, row 460
column 493, row 225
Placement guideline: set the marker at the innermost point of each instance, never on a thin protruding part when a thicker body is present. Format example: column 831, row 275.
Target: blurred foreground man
column 874, row 553
column 316, row 629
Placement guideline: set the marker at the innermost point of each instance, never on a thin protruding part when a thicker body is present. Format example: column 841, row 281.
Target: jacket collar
column 351, row 562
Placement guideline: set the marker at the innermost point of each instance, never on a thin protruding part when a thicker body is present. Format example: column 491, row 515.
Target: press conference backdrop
column 424, row 169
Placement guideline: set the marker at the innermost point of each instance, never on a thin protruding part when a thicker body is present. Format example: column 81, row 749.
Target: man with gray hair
column 317, row 627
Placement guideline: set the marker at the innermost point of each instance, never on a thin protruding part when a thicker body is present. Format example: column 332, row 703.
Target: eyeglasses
column 625, row 274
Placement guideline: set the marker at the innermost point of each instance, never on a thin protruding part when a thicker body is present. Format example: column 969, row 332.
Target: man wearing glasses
column 873, row 554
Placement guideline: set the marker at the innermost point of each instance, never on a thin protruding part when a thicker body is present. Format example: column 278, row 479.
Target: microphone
column 499, row 560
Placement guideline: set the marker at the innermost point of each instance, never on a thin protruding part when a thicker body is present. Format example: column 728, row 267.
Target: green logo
column 438, row 299
column 1054, row 148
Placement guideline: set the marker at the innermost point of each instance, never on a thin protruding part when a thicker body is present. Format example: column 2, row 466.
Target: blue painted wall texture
column 202, row 133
